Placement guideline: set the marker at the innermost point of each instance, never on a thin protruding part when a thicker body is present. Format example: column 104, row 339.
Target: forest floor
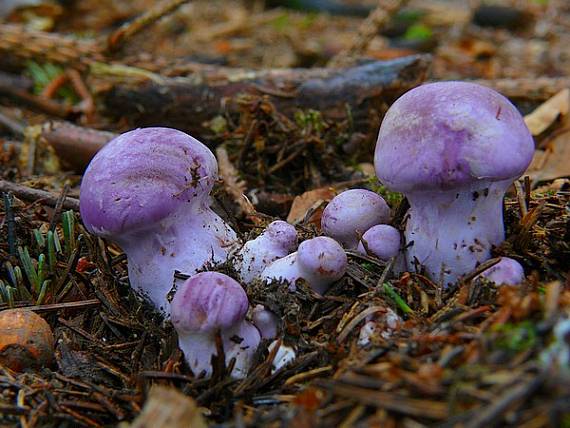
column 234, row 74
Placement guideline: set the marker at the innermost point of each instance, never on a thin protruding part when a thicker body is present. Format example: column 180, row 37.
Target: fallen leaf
column 168, row 408
column 545, row 114
column 312, row 199
column 553, row 160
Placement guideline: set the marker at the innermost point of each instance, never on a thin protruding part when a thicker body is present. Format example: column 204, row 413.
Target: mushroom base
column 450, row 233
column 240, row 343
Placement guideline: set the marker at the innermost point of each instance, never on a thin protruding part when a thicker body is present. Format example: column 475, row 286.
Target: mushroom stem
column 175, row 243
column 451, row 232
column 198, row 349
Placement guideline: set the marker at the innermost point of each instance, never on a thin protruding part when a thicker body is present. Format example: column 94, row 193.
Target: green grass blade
column 69, row 231
column 3, row 292
column 41, row 268
column 52, row 259
column 29, row 269
column 391, row 293
column 10, row 293
column 43, row 291
column 40, row 240
column 56, row 242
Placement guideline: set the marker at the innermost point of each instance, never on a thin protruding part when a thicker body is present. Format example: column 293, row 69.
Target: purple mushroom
column 382, row 241
column 319, row 261
column 149, row 191
column 453, row 149
column 351, row 213
column 507, row 271
column 206, row 303
column 266, row 322
column 278, row 240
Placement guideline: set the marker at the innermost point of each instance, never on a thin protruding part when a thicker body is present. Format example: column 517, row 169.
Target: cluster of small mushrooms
column 451, row 148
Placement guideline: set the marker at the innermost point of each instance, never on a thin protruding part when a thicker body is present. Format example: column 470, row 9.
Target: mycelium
column 149, row 191
column 453, row 149
column 208, row 303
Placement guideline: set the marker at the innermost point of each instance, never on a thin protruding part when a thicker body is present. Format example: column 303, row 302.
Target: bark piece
column 363, row 92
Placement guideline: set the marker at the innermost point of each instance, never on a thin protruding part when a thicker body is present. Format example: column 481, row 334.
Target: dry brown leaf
column 545, row 115
column 168, row 408
column 554, row 161
column 307, row 201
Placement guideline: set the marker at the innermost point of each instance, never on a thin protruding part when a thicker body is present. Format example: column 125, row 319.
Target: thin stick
column 119, row 37
column 369, row 28
column 521, row 198
column 479, row 269
column 517, row 394
column 35, row 195
column 356, row 320
column 82, row 304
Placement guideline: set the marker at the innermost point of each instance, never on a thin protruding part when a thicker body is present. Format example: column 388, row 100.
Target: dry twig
column 369, row 28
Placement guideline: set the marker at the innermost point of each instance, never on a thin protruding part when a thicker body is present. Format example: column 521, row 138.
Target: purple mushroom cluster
column 451, row 148
column 358, row 219
column 149, row 191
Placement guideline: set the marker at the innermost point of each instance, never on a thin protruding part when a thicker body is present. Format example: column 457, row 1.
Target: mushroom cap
column 208, row 301
column 322, row 256
column 351, row 211
column 382, row 240
column 448, row 135
column 142, row 177
column 508, row 271
column 281, row 234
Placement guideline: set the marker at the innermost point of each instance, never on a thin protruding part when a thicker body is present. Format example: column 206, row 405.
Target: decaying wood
column 74, row 145
column 362, row 92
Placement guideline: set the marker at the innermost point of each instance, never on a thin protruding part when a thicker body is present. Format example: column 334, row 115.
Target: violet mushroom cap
column 382, row 241
column 508, row 272
column 275, row 242
column 352, row 213
column 148, row 190
column 319, row 261
column 206, row 303
column 453, row 148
